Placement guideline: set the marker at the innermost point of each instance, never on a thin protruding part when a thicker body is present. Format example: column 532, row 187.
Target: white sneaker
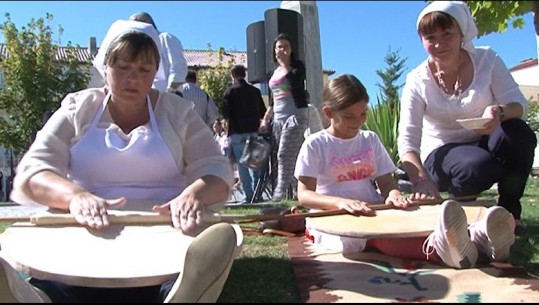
column 494, row 234
column 207, row 264
column 14, row 289
column 450, row 239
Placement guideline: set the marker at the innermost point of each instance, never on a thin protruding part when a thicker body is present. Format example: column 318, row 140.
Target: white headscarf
column 116, row 29
column 461, row 12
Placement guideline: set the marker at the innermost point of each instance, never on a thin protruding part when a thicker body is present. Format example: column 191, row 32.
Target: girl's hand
column 355, row 207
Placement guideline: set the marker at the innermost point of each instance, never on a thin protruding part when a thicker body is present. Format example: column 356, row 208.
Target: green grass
column 263, row 271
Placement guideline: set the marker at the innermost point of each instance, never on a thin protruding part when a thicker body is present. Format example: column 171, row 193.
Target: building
column 526, row 75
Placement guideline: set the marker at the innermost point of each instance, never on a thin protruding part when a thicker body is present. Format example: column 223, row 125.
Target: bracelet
column 501, row 115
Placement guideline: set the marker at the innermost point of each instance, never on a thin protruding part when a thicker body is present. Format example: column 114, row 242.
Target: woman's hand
column 355, row 207
column 263, row 128
column 185, row 211
column 91, row 210
column 396, row 199
column 424, row 189
column 491, row 112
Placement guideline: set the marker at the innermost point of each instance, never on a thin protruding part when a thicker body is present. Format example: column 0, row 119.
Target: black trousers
column 505, row 156
column 62, row 293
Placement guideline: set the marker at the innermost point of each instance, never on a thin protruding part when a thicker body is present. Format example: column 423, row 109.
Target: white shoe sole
column 460, row 252
column 13, row 289
column 207, row 264
column 500, row 233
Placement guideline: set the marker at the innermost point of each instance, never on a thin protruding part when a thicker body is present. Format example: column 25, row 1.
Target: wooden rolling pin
column 52, row 218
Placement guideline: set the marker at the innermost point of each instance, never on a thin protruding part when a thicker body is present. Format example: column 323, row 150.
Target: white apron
column 138, row 166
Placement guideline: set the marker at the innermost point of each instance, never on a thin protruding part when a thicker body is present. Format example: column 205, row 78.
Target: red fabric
column 309, row 236
column 410, row 248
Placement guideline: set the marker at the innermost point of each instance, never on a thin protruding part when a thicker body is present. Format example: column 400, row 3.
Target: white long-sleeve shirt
column 428, row 118
column 173, row 60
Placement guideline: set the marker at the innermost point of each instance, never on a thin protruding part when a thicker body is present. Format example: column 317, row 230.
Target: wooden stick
column 148, row 218
column 377, row 207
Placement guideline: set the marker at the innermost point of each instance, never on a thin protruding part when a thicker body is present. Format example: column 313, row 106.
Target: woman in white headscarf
column 460, row 81
column 121, row 26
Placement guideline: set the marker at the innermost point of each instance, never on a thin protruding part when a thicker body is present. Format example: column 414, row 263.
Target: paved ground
column 10, row 209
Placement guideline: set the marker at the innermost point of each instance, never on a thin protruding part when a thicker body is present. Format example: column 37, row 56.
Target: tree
column 393, row 71
column 34, row 79
column 495, row 16
column 383, row 118
column 215, row 80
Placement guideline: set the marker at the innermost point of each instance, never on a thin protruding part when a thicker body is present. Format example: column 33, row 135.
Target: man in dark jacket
column 243, row 108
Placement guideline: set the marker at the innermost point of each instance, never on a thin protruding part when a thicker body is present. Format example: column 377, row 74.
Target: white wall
column 528, row 81
column 527, row 77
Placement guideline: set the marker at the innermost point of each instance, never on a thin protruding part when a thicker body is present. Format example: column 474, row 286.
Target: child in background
column 345, row 167
column 227, row 151
column 220, row 135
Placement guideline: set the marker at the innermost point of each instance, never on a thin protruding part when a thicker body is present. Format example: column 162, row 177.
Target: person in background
column 243, row 108
column 460, row 81
column 173, row 59
column 128, row 146
column 336, row 168
column 203, row 103
column 232, row 158
column 220, row 135
column 288, row 113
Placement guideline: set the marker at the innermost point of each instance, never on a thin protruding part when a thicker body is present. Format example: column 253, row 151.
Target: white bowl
column 474, row 123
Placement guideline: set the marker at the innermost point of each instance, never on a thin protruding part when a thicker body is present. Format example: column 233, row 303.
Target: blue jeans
column 248, row 177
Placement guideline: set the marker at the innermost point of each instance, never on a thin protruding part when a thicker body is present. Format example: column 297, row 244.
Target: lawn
column 263, row 272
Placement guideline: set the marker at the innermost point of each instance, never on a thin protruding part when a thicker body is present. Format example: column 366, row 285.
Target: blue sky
column 355, row 35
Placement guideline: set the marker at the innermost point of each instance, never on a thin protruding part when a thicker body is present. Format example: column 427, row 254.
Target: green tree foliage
column 393, row 71
column 383, row 118
column 215, row 80
column 34, row 80
column 496, row 16
column 533, row 115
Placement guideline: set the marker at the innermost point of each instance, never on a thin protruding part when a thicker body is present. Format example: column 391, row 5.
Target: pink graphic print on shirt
column 280, row 86
column 357, row 166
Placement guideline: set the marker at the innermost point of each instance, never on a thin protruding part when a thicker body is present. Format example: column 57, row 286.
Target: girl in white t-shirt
column 338, row 166
column 345, row 167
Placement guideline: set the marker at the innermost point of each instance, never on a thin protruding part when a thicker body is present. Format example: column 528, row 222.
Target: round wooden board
column 117, row 256
column 417, row 221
